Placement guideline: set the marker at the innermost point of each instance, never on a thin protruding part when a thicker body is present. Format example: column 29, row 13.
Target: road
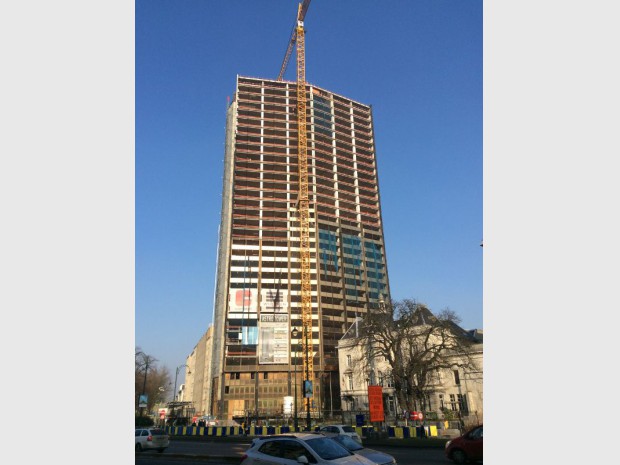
column 199, row 450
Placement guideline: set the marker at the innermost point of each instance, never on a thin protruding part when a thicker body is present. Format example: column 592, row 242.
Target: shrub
column 144, row 421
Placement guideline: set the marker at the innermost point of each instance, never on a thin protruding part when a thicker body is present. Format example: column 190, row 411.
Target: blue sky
column 417, row 62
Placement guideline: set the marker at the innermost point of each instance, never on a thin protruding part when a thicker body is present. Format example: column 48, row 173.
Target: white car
column 300, row 448
column 380, row 458
column 331, row 430
column 151, row 438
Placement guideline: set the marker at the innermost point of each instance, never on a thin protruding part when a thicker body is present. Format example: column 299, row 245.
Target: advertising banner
column 287, row 403
column 273, row 339
column 375, row 403
column 274, row 301
column 243, row 303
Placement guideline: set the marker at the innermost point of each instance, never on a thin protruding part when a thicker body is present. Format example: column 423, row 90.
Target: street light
column 294, row 334
column 174, row 393
column 307, row 384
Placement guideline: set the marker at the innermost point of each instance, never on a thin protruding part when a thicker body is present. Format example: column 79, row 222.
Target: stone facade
column 458, row 391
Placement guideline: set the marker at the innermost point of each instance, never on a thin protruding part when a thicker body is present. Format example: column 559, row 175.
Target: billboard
column 273, row 339
column 287, row 405
column 274, row 300
column 375, row 403
column 242, row 303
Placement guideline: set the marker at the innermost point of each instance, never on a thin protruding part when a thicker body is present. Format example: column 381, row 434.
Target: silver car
column 374, row 456
column 300, row 448
column 151, row 438
column 331, row 430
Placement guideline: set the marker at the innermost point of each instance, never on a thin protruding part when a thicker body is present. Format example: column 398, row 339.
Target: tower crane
column 303, row 211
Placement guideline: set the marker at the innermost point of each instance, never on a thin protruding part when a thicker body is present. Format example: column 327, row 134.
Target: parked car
column 341, row 429
column 151, row 438
column 300, row 448
column 374, row 456
column 466, row 447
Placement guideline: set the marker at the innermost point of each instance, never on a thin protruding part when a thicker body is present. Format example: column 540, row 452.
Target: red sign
column 416, row 416
column 375, row 403
column 243, row 298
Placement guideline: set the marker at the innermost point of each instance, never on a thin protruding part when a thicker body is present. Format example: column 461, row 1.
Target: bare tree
column 417, row 345
column 149, row 378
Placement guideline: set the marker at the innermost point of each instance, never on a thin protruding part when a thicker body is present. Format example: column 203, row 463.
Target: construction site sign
column 243, row 303
column 273, row 339
column 375, row 403
column 274, row 301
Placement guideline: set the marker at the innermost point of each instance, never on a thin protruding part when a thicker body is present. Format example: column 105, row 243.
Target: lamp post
column 331, row 399
column 294, row 334
column 307, row 385
column 174, row 393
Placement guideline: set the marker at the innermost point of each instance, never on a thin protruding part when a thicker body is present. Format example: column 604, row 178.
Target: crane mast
column 303, row 204
column 301, row 14
column 304, row 208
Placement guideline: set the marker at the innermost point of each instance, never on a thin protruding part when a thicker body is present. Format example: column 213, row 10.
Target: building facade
column 198, row 374
column 256, row 359
column 453, row 394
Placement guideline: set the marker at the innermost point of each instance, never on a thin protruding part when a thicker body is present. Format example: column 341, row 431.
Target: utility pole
column 147, row 361
column 146, row 369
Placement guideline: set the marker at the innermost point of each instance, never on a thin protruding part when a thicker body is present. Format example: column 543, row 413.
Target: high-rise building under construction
column 257, row 348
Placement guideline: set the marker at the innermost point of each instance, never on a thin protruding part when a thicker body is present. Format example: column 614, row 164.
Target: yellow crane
column 297, row 37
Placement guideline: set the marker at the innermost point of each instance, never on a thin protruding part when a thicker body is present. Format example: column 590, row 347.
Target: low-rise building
column 454, row 394
column 198, row 375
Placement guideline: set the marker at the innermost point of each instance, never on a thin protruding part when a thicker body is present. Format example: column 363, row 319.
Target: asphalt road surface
column 197, row 452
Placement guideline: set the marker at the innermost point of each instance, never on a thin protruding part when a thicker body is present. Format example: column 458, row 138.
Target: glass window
column 327, row 449
column 350, row 381
column 348, row 429
column 462, row 400
column 292, row 450
column 348, row 442
column 144, row 433
column 457, row 379
column 270, row 448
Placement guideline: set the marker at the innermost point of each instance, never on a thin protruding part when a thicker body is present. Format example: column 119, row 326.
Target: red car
column 466, row 447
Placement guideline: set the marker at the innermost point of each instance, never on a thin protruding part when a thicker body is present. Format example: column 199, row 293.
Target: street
column 200, row 450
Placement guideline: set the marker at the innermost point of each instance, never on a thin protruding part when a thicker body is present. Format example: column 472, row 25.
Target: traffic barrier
column 397, row 432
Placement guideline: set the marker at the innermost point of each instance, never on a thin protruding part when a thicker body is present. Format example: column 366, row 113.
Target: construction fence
column 398, row 432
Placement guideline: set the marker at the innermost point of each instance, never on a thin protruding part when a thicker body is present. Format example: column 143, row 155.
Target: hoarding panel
column 243, row 302
column 375, row 403
column 273, row 339
column 274, row 301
